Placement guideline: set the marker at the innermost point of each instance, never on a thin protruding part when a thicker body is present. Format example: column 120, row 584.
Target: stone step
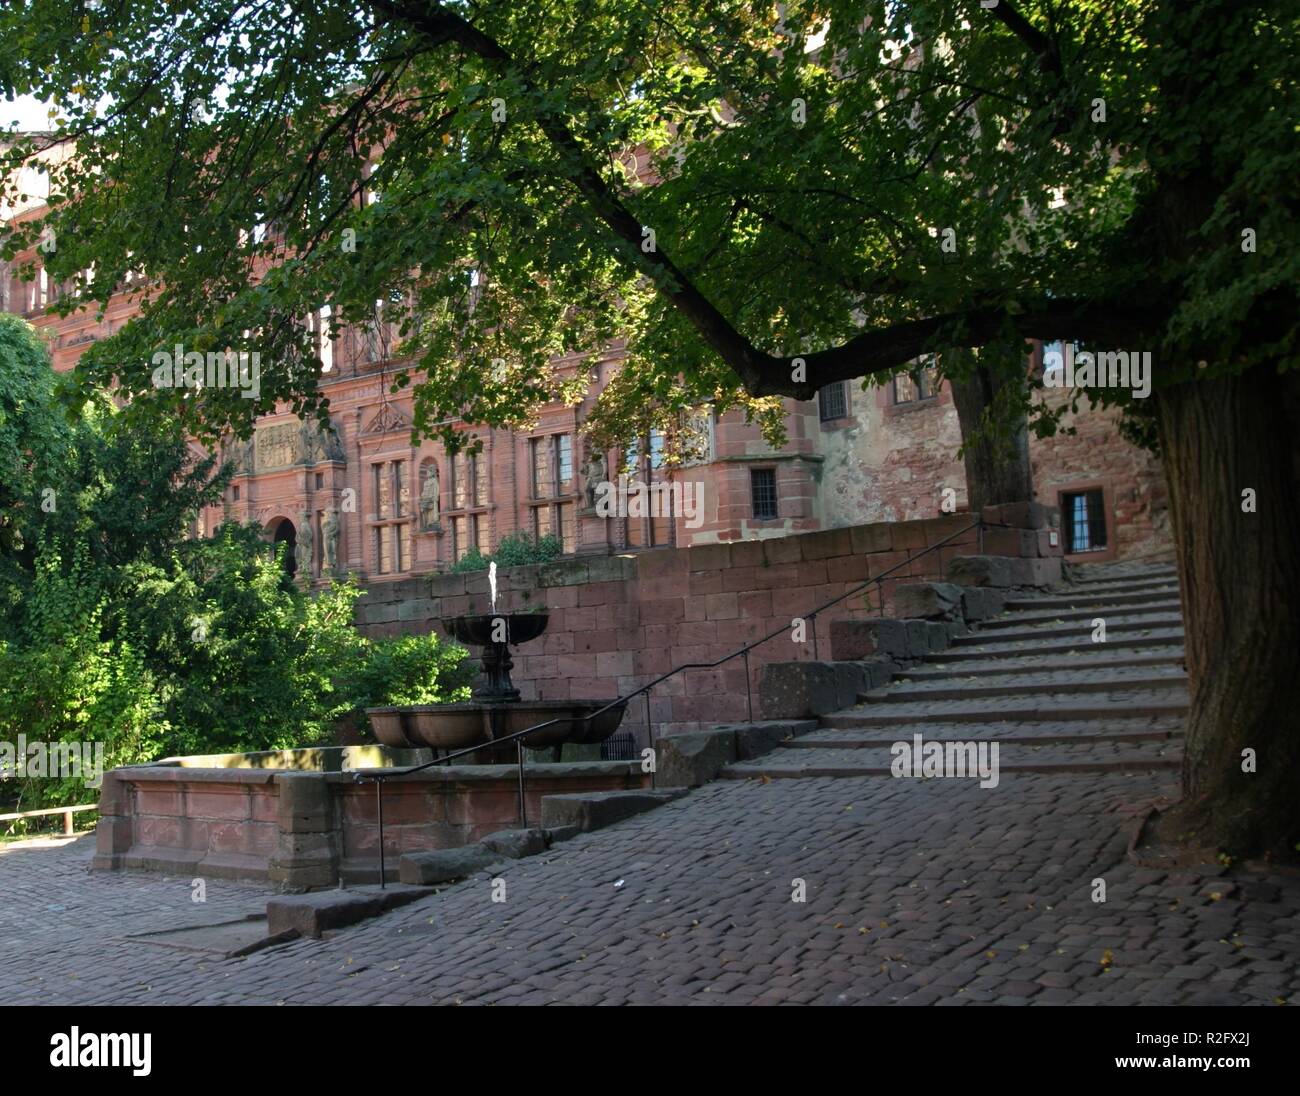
column 1022, row 684
column 1021, row 618
column 1033, row 633
column 1063, row 600
column 1116, row 704
column 1145, row 729
column 1011, row 651
column 1103, row 657
column 1101, row 576
column 1080, row 757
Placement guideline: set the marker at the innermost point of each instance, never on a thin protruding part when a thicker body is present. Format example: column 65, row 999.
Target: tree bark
column 1240, row 575
column 997, row 467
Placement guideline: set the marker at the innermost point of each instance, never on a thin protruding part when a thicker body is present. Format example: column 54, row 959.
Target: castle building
column 363, row 498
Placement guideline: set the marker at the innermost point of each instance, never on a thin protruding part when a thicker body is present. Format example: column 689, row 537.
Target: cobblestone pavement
column 916, row 891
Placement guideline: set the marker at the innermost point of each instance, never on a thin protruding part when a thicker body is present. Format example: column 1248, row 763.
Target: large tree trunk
column 997, row 467
column 1240, row 576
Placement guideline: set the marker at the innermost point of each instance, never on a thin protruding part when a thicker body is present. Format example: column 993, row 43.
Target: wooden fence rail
column 67, row 813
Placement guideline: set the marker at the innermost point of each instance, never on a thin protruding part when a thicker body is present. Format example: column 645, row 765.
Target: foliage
column 813, row 162
column 513, row 550
column 117, row 629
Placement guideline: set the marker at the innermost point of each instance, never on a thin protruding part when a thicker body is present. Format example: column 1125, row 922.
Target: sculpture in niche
column 595, row 473
column 306, row 541
column 430, row 506
column 330, row 538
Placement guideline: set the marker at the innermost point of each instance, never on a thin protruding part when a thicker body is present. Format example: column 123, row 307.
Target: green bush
column 513, row 550
column 117, row 629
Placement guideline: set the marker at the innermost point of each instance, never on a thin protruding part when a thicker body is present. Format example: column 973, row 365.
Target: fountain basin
column 460, row 726
column 478, row 631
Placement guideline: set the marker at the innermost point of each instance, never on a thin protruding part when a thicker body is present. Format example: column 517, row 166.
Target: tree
column 838, row 188
column 118, row 629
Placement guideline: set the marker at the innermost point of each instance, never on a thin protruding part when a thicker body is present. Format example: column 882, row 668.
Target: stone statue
column 330, row 537
column 306, row 541
column 595, row 474
column 429, row 502
column 334, row 446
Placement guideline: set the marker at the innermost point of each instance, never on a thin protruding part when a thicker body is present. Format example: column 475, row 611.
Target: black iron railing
column 741, row 652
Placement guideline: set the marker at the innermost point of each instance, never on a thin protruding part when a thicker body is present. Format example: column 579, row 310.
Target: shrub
column 513, row 550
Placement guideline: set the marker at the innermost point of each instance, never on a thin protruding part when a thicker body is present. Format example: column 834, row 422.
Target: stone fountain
column 495, row 709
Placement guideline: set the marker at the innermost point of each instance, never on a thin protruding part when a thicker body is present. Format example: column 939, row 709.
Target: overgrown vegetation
column 116, row 628
column 513, row 550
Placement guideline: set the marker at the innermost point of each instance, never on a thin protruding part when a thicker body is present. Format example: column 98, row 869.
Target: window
column 236, row 492
column 919, row 383
column 762, row 492
column 469, row 491
column 469, row 483
column 1084, row 514
column 833, row 402
column 653, row 526
column 391, row 527
column 551, row 470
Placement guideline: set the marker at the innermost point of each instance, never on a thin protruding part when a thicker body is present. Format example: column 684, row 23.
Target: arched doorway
column 286, row 534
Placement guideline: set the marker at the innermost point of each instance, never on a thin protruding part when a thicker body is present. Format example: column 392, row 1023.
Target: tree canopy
column 758, row 200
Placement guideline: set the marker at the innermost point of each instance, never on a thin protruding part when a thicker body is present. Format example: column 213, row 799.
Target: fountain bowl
column 460, row 726
column 477, row 630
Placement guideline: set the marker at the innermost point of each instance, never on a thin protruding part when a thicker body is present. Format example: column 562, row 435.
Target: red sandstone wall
column 617, row 622
column 1096, row 456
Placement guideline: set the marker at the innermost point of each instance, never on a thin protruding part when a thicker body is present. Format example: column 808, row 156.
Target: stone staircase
column 1032, row 680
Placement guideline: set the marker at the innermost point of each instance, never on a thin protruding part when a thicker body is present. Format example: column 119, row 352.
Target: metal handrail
column 622, row 701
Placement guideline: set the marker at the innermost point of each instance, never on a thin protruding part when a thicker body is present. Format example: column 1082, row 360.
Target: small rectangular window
column 921, row 382
column 762, row 486
column 833, row 402
column 1084, row 514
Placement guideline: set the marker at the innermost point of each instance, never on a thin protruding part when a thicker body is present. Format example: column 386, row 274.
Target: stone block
column 516, row 843
column 313, row 914
column 859, row 639
column 804, row 690
column 797, row 690
column 424, row 869
column 928, row 601
column 980, row 571
column 756, row 739
column 1015, row 543
column 304, row 803
column 1035, row 572
column 594, row 810
column 1021, row 515
column 981, row 603
column 918, row 638
column 871, row 538
column 689, row 760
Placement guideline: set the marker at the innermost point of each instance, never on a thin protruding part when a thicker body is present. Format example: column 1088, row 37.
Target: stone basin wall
column 301, row 821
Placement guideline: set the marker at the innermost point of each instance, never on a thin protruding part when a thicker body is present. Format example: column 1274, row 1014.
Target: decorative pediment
column 388, row 420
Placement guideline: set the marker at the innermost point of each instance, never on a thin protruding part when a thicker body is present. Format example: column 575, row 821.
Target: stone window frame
column 375, row 522
column 889, row 409
column 477, row 515
column 776, row 495
column 645, row 455
column 558, row 499
column 920, row 366
column 845, row 412
column 1077, row 487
